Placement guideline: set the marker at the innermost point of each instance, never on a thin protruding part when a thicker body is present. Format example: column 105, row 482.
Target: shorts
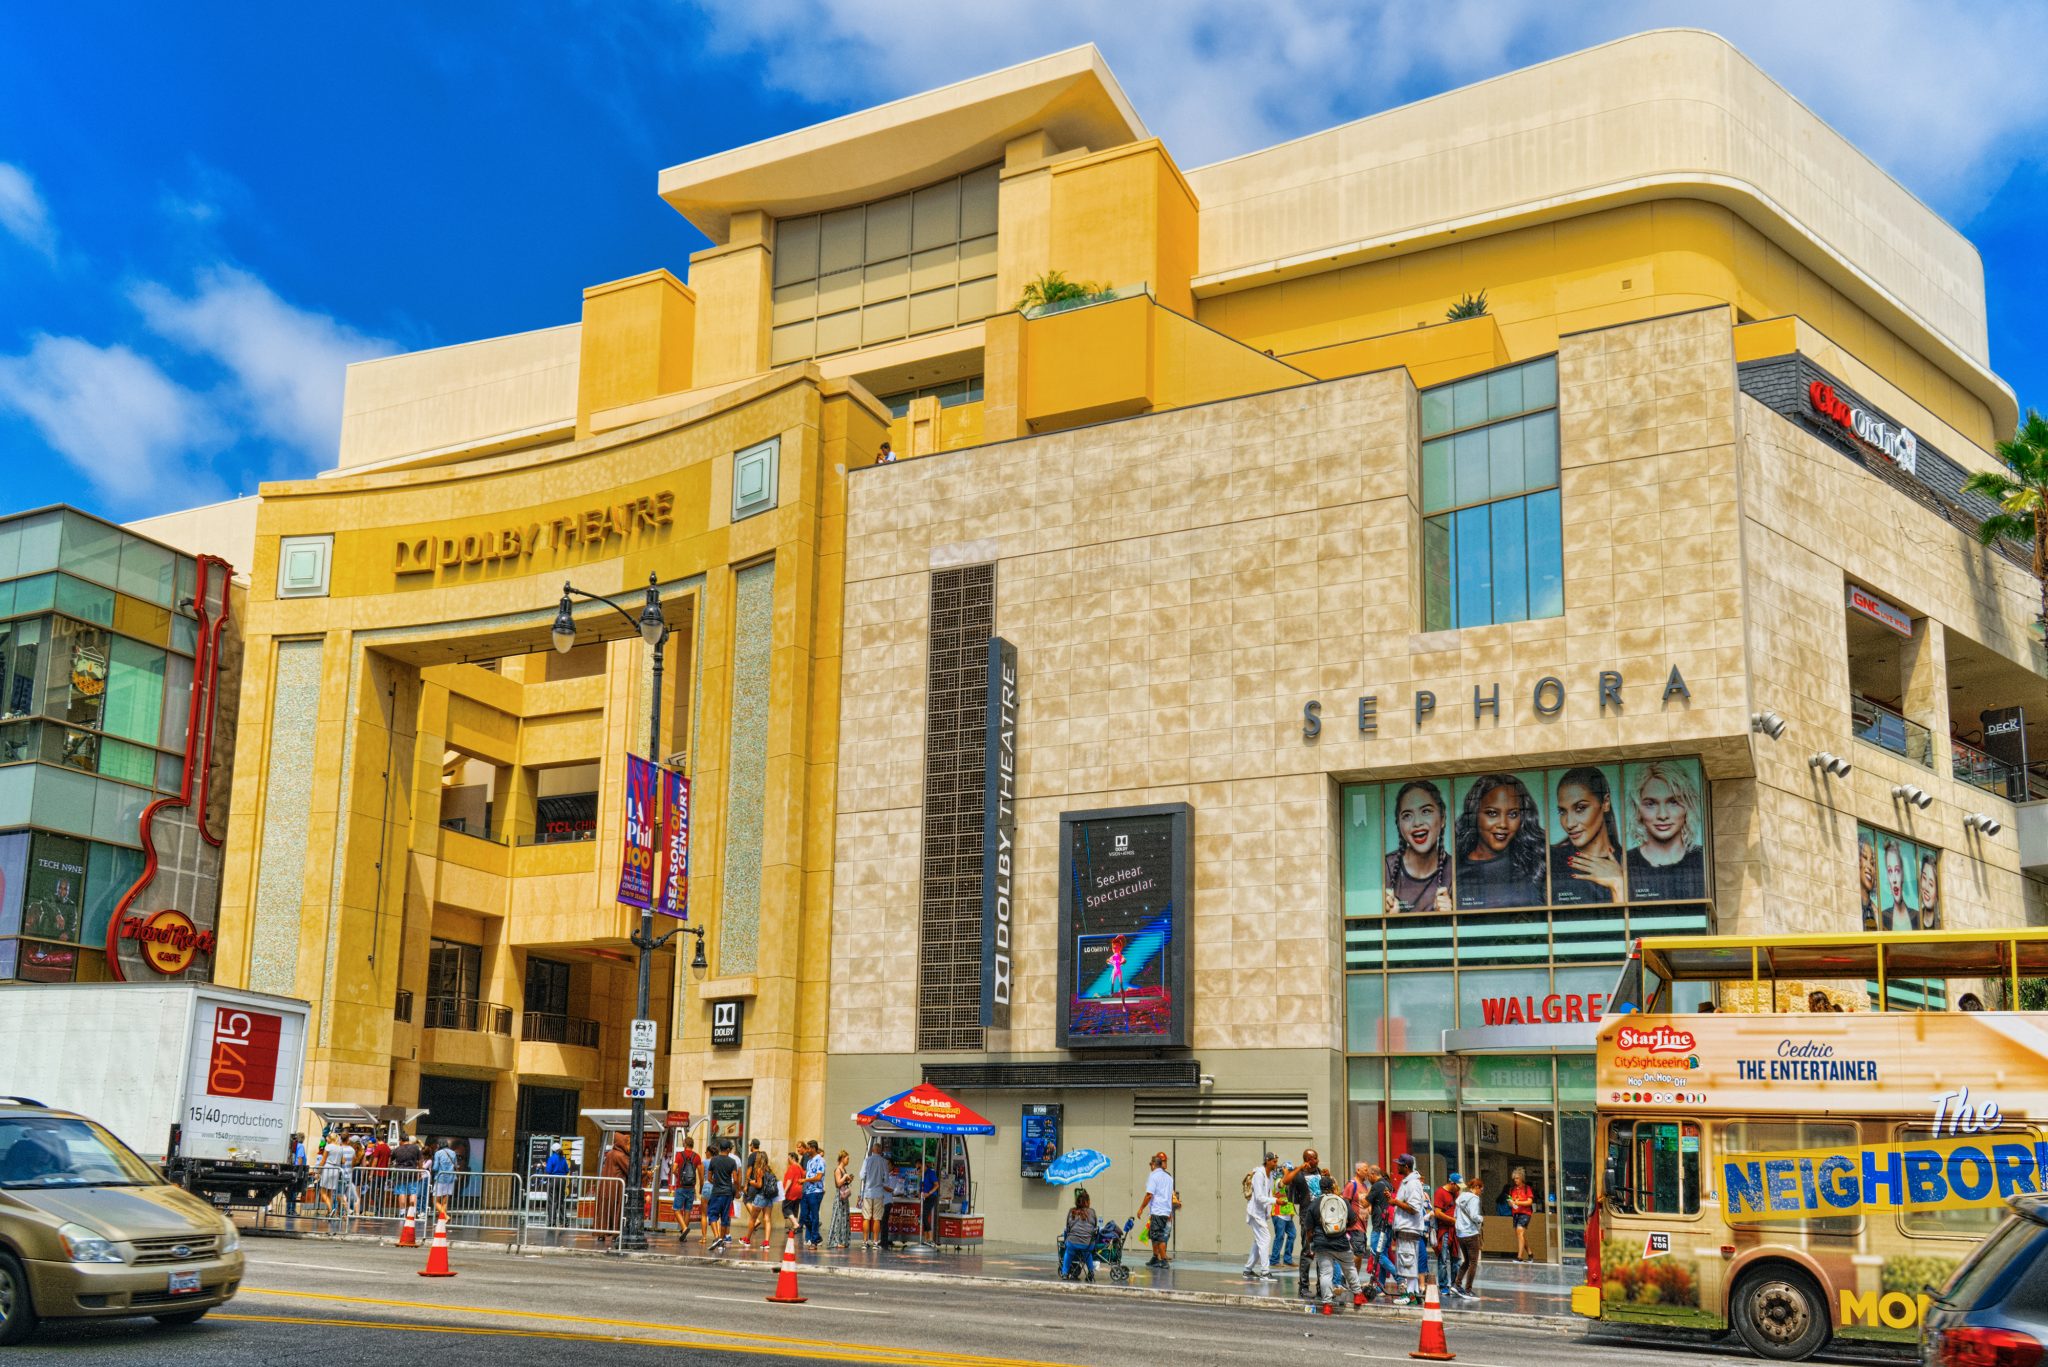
column 759, row 1202
column 790, row 1209
column 683, row 1199
column 718, row 1209
column 1159, row 1228
column 410, row 1188
column 1521, row 1219
column 1361, row 1244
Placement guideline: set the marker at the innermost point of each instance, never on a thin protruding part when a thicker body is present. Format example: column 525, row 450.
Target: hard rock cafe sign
column 164, row 924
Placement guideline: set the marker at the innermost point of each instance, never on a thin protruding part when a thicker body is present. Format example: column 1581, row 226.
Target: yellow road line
column 875, row 1355
column 773, row 1342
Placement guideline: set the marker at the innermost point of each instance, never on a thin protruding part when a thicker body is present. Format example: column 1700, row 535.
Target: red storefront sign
column 1557, row 1008
column 169, row 939
column 1896, row 444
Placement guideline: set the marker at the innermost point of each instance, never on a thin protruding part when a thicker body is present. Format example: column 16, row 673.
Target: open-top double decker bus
column 1798, row 1174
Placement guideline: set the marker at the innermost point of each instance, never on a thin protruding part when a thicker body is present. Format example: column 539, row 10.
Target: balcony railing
column 548, row 1027
column 401, row 1006
column 1978, row 769
column 467, row 1013
column 460, row 826
column 1876, row 724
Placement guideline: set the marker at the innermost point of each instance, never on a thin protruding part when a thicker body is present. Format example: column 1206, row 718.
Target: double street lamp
column 653, row 628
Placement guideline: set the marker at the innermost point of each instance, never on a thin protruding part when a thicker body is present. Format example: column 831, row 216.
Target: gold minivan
column 87, row 1229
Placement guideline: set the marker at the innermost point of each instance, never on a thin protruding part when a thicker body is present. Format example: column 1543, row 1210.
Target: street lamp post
column 653, row 629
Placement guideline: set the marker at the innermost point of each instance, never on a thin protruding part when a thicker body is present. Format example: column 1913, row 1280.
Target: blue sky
column 207, row 210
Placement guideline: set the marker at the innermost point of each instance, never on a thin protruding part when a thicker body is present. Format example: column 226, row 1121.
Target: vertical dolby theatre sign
column 999, row 836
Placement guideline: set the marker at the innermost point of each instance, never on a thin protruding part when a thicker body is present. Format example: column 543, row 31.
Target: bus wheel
column 1779, row 1313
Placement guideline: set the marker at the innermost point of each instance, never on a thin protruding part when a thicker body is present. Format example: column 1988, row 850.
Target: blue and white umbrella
column 1076, row 1165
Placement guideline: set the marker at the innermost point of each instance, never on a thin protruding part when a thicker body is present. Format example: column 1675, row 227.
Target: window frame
column 1613, row 1183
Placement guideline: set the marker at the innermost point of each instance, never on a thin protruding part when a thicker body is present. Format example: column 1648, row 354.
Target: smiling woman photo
column 1666, row 831
column 1418, row 868
column 1585, row 862
column 1501, row 851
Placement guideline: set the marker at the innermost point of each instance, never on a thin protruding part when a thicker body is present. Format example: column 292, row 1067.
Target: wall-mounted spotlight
column 1919, row 797
column 1833, row 764
column 1982, row 824
column 1767, row 723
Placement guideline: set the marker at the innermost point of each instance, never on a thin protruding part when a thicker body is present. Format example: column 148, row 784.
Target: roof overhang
column 1071, row 96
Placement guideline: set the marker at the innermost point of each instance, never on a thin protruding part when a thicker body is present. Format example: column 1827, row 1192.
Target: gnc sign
column 1896, row 444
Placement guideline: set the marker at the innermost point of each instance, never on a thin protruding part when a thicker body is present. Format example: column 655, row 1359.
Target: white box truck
column 202, row 1081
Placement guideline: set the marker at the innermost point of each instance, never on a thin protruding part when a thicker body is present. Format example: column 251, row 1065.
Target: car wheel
column 17, row 1310
column 183, row 1316
column 1779, row 1313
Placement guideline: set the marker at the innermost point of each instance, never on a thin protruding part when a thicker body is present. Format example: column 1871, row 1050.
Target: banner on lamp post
column 674, row 896
column 636, row 852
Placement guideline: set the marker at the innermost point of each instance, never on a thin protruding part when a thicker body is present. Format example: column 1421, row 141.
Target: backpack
column 1333, row 1213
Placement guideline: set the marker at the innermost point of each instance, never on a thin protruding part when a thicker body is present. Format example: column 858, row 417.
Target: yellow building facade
column 427, row 798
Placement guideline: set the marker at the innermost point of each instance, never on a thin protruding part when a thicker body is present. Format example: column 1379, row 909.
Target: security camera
column 1919, row 797
column 1982, row 824
column 1767, row 723
column 1830, row 763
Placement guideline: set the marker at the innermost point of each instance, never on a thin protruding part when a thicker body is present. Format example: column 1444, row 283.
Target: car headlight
column 82, row 1245
column 231, row 1238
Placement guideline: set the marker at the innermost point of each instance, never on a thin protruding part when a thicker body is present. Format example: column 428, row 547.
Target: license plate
column 219, row 1198
column 184, row 1283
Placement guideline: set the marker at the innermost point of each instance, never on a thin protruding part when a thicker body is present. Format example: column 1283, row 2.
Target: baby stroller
column 1108, row 1250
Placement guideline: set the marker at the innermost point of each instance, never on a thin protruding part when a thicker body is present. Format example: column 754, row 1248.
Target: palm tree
column 1054, row 288
column 2021, row 490
column 1468, row 306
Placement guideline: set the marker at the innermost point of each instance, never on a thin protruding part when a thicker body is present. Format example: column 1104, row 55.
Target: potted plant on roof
column 2020, row 491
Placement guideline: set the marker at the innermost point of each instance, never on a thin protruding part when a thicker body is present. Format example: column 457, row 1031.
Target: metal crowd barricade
column 489, row 1207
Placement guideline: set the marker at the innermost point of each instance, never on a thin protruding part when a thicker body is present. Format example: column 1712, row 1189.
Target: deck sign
column 999, row 837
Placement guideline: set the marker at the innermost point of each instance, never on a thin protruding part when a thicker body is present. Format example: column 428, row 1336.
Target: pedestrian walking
column 840, row 1234
column 1157, row 1205
column 813, row 1192
column 443, row 1166
column 1443, row 1229
column 760, row 1196
column 1258, row 1213
column 611, row 1195
column 1379, row 1200
column 1470, row 1221
column 685, row 1175
column 376, row 1176
column 792, row 1190
column 1359, row 1231
column 554, row 1176
column 1330, row 1245
column 874, row 1198
column 1304, row 1184
column 721, row 1179
column 1281, row 1254
column 1411, row 1224
column 298, row 1182
column 1522, row 1207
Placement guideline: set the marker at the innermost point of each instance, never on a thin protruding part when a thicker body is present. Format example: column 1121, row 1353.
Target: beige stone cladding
column 1178, row 585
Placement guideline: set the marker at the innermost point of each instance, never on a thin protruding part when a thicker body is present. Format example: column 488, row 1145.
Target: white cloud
column 1927, row 87
column 286, row 362
column 128, row 427
column 22, row 211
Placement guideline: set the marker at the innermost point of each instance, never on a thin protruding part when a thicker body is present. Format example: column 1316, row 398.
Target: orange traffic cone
column 437, row 1254
column 1433, row 1348
column 407, row 1238
column 785, row 1283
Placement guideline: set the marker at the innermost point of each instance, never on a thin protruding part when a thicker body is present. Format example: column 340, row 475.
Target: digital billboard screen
column 1124, row 883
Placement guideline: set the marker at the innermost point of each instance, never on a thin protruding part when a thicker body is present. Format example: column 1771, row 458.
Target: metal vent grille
column 1261, row 1111
column 955, row 726
column 1118, row 1074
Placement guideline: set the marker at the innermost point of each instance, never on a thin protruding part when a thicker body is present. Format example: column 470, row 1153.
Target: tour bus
column 1804, row 1135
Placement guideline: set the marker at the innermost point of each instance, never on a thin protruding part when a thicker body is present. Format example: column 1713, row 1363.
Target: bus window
column 1653, row 1167
column 1785, row 1136
column 1953, row 1224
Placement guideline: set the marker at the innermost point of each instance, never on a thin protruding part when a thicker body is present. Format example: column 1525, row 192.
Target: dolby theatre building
column 1256, row 709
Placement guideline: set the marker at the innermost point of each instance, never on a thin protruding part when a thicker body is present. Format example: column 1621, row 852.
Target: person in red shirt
column 1522, row 1206
column 377, row 1177
column 687, row 1177
column 1443, row 1229
column 792, row 1191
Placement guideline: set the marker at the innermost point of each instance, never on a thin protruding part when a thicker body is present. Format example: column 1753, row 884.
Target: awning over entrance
column 355, row 1113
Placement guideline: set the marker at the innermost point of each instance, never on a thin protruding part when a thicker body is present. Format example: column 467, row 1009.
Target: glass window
column 1507, row 1080
column 77, row 688
column 146, row 571
column 54, row 904
column 1493, row 536
column 134, row 691
column 110, row 871
column 177, row 703
column 1423, row 1081
column 39, row 543
column 1419, row 1010
column 129, row 763
column 1654, row 1166
column 1971, row 1224
column 20, row 643
column 1513, row 937
column 1365, row 999
column 35, row 595
column 91, row 548
column 13, row 875
column 1485, row 997
column 1364, row 858
column 1365, row 1097
column 1415, row 941
column 89, row 601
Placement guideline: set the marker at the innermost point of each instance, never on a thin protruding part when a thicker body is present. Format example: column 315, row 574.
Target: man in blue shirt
column 814, row 1191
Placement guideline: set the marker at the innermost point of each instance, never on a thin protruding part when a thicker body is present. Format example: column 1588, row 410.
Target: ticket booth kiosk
column 923, row 1133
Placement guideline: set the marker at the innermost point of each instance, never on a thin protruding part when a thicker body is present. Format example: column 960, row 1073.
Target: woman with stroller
column 1078, row 1239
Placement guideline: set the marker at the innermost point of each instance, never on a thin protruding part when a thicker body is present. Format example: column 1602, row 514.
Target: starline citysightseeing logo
column 1662, row 1040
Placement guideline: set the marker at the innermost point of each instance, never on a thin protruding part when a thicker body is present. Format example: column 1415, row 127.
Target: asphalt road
column 339, row 1304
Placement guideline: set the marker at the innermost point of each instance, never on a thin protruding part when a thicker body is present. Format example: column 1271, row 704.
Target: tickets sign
column 1950, row 1174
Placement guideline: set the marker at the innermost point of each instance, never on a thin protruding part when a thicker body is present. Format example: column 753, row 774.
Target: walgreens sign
column 1896, row 444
